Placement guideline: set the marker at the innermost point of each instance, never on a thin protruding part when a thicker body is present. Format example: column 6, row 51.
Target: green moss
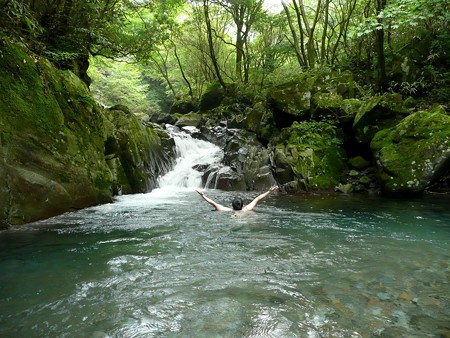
column 52, row 129
column 25, row 101
column 411, row 153
column 313, row 152
column 190, row 119
column 358, row 163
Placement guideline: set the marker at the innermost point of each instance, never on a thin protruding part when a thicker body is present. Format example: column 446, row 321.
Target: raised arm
column 253, row 203
column 210, row 201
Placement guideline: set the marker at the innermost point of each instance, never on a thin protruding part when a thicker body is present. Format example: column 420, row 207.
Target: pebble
column 406, row 297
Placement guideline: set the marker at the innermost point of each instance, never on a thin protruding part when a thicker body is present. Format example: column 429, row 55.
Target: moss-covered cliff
column 52, row 142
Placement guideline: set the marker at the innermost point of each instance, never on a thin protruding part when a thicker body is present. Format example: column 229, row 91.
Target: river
column 163, row 264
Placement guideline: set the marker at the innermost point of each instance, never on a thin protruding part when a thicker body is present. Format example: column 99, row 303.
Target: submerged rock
column 415, row 153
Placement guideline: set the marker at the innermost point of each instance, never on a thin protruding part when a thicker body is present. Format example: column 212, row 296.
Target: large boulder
column 245, row 164
column 308, row 156
column 310, row 95
column 52, row 140
column 190, row 119
column 291, row 101
column 326, row 105
column 377, row 113
column 212, row 97
column 183, row 106
column 136, row 153
column 415, row 153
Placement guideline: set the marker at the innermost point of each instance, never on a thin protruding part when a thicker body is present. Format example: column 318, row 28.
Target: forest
column 115, row 114
column 148, row 54
column 311, row 95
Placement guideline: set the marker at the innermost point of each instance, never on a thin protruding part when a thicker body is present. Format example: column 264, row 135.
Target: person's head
column 237, row 203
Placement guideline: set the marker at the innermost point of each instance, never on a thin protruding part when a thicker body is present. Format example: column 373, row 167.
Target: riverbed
column 163, row 264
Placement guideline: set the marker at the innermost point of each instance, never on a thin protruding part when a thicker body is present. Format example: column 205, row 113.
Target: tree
column 269, row 50
column 244, row 14
column 212, row 52
column 401, row 30
column 316, row 34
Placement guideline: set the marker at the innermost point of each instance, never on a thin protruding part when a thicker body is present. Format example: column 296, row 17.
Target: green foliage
column 170, row 38
column 317, row 134
column 17, row 20
column 61, row 57
column 394, row 16
column 121, row 83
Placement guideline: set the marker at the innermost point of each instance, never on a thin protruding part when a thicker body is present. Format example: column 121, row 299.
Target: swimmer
column 238, row 203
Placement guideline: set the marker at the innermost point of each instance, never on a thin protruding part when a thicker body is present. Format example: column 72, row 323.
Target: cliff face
column 52, row 143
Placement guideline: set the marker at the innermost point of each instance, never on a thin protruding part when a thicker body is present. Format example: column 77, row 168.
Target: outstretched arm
column 217, row 206
column 253, row 203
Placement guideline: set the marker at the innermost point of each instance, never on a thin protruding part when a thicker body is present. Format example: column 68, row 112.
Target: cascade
column 190, row 152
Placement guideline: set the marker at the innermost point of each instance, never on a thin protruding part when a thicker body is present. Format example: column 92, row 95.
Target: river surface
column 163, row 264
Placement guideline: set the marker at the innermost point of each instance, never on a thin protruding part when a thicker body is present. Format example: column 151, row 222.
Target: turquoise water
column 164, row 265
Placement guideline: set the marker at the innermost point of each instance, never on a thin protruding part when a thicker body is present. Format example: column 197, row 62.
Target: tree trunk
column 381, row 65
column 212, row 53
column 302, row 32
column 323, row 47
column 295, row 43
column 182, row 70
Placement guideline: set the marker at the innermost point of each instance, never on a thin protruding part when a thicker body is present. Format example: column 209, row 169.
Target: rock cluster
column 317, row 135
column 59, row 150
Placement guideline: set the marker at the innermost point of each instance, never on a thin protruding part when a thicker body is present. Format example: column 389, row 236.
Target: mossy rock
column 191, row 119
column 414, row 153
column 254, row 116
column 349, row 109
column 52, row 138
column 212, row 97
column 141, row 156
column 312, row 94
column 291, row 101
column 308, row 152
column 345, row 84
column 183, row 106
column 377, row 113
column 359, row 163
column 326, row 105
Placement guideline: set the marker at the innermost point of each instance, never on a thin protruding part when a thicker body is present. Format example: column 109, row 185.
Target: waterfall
column 191, row 153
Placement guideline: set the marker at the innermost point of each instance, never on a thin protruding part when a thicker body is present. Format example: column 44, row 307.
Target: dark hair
column 237, row 203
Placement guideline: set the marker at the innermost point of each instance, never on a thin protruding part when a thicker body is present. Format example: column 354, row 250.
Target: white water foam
column 190, row 153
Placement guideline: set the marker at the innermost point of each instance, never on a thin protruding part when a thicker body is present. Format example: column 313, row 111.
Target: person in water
column 238, row 203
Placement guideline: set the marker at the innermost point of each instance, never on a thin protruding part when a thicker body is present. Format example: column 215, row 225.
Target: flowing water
column 163, row 264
